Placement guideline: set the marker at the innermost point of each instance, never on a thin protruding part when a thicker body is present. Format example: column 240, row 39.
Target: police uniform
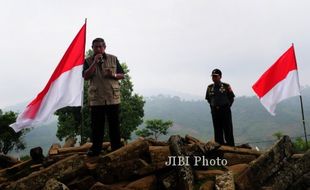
column 220, row 97
column 104, row 99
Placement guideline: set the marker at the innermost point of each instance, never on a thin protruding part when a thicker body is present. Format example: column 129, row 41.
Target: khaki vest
column 103, row 90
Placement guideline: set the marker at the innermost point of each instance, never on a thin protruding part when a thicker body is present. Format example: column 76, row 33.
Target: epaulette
column 225, row 84
column 210, row 86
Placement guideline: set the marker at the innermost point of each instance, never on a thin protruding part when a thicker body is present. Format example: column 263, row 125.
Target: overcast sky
column 170, row 46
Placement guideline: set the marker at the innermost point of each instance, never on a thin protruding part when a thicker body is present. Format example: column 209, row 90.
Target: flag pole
column 303, row 120
column 82, row 99
column 302, row 108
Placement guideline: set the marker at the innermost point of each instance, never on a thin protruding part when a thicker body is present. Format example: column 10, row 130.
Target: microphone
column 101, row 60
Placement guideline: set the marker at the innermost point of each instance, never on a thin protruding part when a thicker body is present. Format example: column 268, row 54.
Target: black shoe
column 92, row 153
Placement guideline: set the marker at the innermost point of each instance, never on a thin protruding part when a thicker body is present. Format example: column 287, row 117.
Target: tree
column 69, row 118
column 144, row 133
column 155, row 127
column 132, row 111
column 9, row 140
column 278, row 135
column 300, row 145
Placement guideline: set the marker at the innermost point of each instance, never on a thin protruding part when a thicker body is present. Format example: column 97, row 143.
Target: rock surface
column 142, row 165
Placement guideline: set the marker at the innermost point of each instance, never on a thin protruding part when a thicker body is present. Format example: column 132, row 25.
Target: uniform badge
column 222, row 89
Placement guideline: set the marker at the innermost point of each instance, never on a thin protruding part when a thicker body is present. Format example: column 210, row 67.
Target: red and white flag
column 64, row 88
column 279, row 82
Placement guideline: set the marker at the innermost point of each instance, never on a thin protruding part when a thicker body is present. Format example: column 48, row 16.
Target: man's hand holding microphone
column 98, row 59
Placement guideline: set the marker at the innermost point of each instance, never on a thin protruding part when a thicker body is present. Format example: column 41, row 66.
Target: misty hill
column 252, row 123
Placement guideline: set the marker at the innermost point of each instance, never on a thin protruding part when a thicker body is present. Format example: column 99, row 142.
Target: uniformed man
column 103, row 72
column 220, row 97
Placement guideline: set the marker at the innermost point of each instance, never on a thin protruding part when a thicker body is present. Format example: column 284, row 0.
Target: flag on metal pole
column 279, row 82
column 64, row 87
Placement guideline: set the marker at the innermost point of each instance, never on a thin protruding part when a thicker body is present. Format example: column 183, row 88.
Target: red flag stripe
column 74, row 56
column 276, row 73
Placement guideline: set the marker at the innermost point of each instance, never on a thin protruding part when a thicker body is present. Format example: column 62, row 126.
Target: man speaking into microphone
column 103, row 71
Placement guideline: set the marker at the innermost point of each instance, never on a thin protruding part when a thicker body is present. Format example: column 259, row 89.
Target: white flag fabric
column 279, row 82
column 64, row 88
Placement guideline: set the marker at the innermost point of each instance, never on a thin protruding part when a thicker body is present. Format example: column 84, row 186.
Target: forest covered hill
column 252, row 123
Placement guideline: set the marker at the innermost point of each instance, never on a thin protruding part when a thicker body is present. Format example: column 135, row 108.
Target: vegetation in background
column 155, row 128
column 278, row 135
column 132, row 106
column 299, row 145
column 25, row 158
column 9, row 140
column 252, row 123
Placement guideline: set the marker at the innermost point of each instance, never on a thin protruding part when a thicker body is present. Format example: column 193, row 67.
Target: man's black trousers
column 222, row 123
column 98, row 114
